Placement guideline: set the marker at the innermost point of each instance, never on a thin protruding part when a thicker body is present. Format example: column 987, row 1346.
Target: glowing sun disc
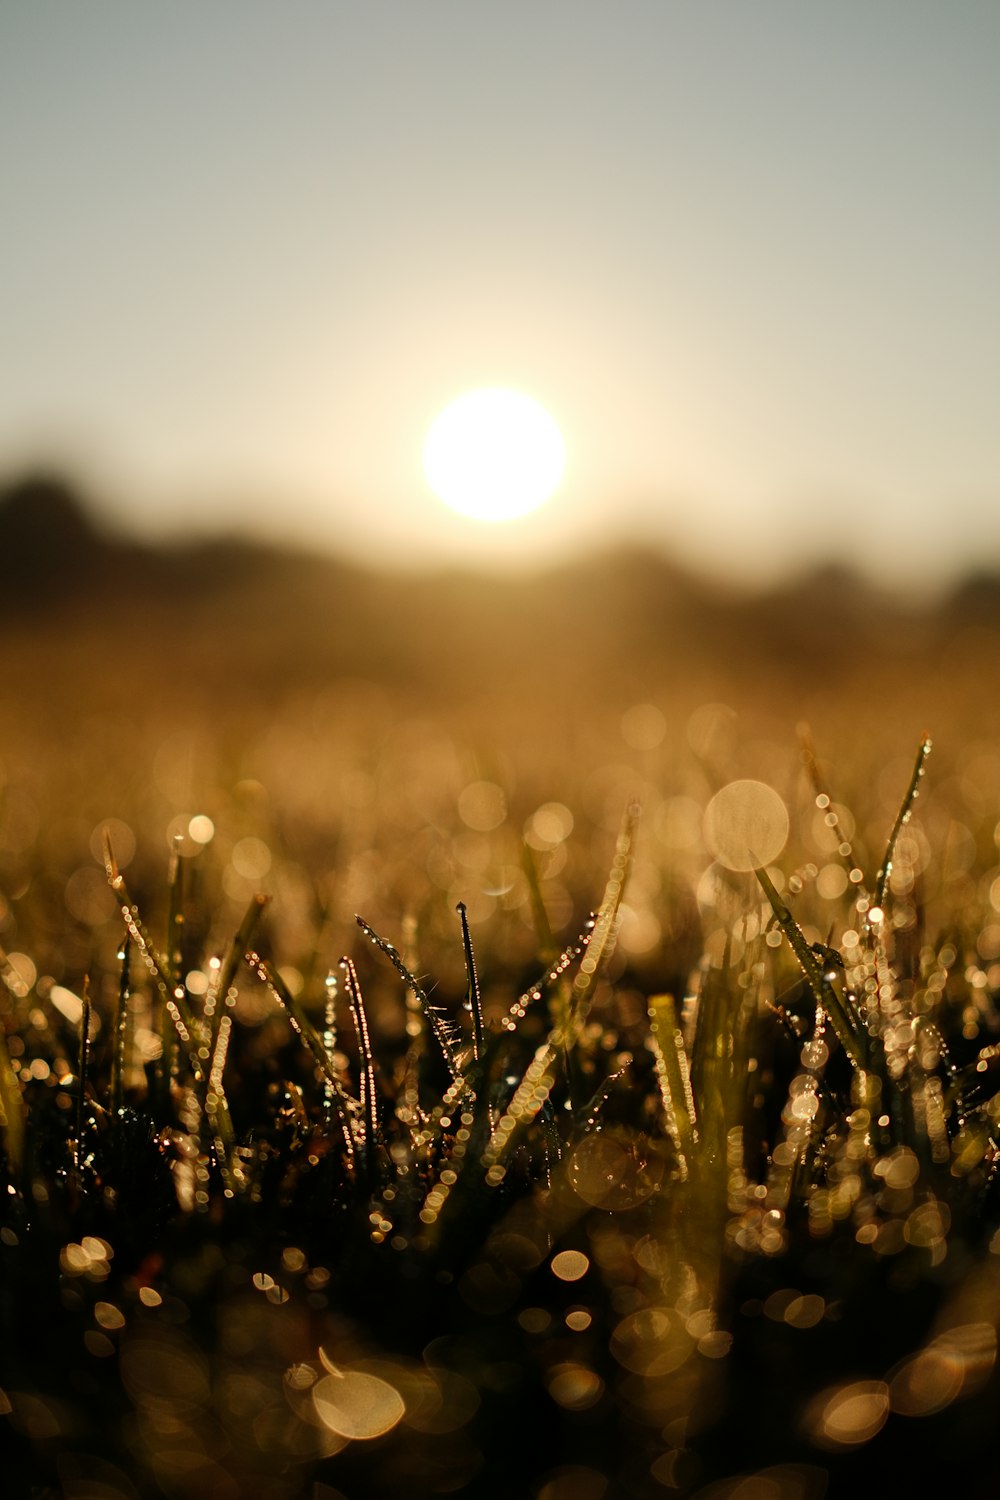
column 494, row 455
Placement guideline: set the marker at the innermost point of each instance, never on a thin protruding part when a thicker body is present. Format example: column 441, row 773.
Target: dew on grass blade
column 366, row 1062
column 121, row 836
column 473, row 1001
column 746, row 825
column 183, row 835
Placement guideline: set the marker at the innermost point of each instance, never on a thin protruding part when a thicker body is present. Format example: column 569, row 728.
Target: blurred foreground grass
column 611, row 1194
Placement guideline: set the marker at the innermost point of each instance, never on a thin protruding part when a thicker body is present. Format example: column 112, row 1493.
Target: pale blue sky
column 745, row 253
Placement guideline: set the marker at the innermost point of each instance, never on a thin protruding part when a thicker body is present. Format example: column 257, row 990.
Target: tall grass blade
column 12, row 1112
column 83, row 1072
column 536, row 1085
column 674, row 1079
column 170, row 995
column 547, row 946
column 219, row 1025
column 474, row 996
column 824, row 801
column 304, row 1029
column 222, row 984
column 844, row 1023
column 366, row 1066
column 902, row 817
column 442, row 1031
column 175, row 914
column 555, row 975
column 121, row 1028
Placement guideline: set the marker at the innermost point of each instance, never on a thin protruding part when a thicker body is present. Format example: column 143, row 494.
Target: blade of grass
column 366, row 1066
column 902, row 817
column 219, row 1022
column 674, row 1078
column 188, row 1027
column 536, row 1085
column 217, row 1112
column 409, row 1106
column 225, row 975
column 310, row 1038
column 13, row 1115
column 121, row 1027
column 474, row 995
column 12, row 1111
column 554, row 975
column 547, row 947
column 824, row 802
column 175, row 912
column 83, row 1070
column 442, row 1031
column 844, row 1024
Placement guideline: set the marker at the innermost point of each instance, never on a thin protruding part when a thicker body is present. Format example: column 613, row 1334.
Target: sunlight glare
column 494, row 455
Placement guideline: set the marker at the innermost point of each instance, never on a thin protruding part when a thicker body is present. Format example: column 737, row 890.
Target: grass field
column 587, row 1167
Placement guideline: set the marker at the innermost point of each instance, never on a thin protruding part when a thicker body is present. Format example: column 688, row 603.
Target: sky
column 745, row 254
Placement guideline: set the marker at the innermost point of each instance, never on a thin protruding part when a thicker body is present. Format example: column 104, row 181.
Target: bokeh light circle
column 357, row 1405
column 746, row 825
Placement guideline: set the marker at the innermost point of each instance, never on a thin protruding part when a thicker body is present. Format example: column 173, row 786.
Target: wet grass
column 628, row 1196
column 581, row 1165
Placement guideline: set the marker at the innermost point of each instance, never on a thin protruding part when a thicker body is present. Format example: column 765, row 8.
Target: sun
column 494, row 455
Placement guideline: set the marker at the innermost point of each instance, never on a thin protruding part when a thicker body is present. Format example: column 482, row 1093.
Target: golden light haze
column 746, row 254
column 494, row 455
